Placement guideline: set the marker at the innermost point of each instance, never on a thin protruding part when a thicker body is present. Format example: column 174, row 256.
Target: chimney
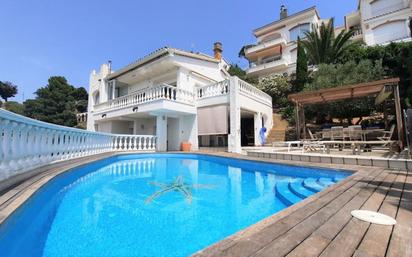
column 283, row 12
column 217, row 49
column 109, row 64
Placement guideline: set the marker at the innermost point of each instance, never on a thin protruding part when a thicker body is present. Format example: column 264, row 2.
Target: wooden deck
column 320, row 225
column 323, row 225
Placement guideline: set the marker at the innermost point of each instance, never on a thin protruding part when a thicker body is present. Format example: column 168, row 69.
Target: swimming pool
column 154, row 205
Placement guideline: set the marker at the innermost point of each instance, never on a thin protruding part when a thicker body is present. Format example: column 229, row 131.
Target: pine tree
column 301, row 67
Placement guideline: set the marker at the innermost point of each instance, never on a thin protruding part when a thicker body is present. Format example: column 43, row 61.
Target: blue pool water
column 104, row 208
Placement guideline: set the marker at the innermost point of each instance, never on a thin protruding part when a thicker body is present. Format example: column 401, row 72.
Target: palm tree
column 322, row 46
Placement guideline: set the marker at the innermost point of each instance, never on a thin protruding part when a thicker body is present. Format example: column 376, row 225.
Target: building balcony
column 160, row 98
column 274, row 64
column 357, row 35
column 265, row 45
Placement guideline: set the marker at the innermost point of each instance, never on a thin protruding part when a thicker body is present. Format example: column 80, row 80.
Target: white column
column 234, row 110
column 161, row 132
column 258, row 126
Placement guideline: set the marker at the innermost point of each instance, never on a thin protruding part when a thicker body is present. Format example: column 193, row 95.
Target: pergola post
column 399, row 123
column 297, row 120
column 300, row 121
column 302, row 113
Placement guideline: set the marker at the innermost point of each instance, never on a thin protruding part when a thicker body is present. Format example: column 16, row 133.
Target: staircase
column 292, row 191
column 278, row 131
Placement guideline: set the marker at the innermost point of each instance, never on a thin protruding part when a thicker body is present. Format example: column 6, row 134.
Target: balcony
column 265, row 45
column 273, row 64
column 163, row 95
column 357, row 35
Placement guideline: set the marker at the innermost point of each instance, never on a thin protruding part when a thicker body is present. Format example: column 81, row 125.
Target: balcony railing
column 254, row 93
column 217, row 89
column 357, row 32
column 26, row 143
column 266, row 64
column 265, row 61
column 163, row 92
column 266, row 44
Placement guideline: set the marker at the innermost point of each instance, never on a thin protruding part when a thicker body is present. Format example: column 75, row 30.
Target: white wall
column 188, row 130
column 96, row 86
column 384, row 21
column 116, row 127
column 173, row 138
column 145, row 126
column 167, row 78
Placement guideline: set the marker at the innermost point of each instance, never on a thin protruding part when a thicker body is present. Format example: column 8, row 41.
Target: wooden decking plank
column 376, row 240
column 349, row 238
column 300, row 232
column 247, row 246
column 400, row 243
column 319, row 239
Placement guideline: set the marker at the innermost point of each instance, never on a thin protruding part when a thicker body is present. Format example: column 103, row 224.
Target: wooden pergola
column 381, row 89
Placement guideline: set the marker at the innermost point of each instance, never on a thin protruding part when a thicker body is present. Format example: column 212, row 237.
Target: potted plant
column 185, row 146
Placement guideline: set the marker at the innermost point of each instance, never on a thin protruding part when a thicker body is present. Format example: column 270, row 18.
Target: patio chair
column 313, row 137
column 313, row 146
column 326, row 134
column 337, row 133
column 387, row 135
column 355, row 133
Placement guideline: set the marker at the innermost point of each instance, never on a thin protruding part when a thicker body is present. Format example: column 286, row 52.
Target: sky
column 44, row 38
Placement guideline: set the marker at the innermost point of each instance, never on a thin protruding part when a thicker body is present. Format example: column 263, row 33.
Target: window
column 299, row 31
column 380, row 7
column 390, row 31
column 96, row 98
column 270, row 37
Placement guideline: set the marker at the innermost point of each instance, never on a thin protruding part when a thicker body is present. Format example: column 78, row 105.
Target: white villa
column 276, row 49
column 381, row 21
column 179, row 96
column 375, row 21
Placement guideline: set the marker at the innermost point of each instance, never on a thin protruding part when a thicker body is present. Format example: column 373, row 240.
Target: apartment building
column 375, row 22
column 276, row 47
column 381, row 21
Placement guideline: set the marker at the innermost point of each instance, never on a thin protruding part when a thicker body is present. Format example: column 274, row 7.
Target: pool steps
column 291, row 192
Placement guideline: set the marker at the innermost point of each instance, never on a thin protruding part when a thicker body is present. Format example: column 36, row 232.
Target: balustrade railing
column 162, row 92
column 26, row 143
column 216, row 89
column 251, row 91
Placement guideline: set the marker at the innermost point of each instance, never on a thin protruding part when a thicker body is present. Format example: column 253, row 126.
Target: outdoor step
column 285, row 195
column 326, row 181
column 311, row 184
column 337, row 179
column 298, row 188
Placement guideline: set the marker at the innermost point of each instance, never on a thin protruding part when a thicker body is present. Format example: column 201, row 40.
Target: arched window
column 96, row 98
column 299, row 31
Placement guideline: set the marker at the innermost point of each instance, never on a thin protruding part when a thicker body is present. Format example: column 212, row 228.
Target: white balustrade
column 162, row 92
column 250, row 91
column 216, row 89
column 27, row 143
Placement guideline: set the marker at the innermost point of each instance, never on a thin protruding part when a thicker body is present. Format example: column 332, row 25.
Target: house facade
column 381, row 21
column 178, row 96
column 275, row 50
